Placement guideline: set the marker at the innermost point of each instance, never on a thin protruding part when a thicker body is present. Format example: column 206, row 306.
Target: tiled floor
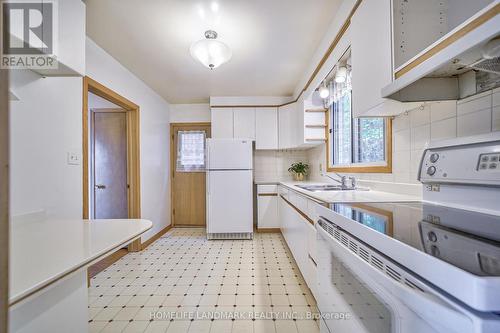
column 184, row 283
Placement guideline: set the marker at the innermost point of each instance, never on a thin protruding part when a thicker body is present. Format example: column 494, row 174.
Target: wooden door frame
column 173, row 126
column 4, row 200
column 133, row 148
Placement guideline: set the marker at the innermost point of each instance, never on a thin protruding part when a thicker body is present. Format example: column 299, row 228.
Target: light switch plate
column 74, row 158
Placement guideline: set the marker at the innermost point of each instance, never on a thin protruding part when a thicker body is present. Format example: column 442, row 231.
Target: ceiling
column 272, row 42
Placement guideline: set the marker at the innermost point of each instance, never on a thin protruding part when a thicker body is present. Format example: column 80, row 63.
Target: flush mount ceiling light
column 210, row 52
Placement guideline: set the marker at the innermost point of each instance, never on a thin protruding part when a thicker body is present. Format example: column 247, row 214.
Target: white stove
column 430, row 266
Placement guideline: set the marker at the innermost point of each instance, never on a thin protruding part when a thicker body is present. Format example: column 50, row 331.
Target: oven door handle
column 427, row 304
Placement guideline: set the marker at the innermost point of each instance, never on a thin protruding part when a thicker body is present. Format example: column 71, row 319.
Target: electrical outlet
column 74, row 158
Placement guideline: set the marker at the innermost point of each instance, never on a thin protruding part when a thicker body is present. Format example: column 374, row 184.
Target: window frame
column 374, row 167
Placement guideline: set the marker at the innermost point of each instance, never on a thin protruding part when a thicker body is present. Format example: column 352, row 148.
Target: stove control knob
column 431, row 170
column 432, row 236
column 434, row 157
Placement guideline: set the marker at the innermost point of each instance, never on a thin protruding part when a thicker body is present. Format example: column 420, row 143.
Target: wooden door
column 188, row 176
column 110, row 164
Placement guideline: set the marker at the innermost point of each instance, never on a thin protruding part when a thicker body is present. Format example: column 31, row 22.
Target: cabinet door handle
column 100, row 186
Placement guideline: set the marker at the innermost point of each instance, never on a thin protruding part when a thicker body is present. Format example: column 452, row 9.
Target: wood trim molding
column 325, row 57
column 301, row 213
column 363, row 169
column 114, row 257
column 267, row 194
column 133, row 148
column 104, row 263
column 156, row 237
column 110, row 110
column 268, row 230
column 450, row 40
column 206, row 123
column 4, row 200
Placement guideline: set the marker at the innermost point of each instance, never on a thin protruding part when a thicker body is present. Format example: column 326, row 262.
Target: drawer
column 267, row 189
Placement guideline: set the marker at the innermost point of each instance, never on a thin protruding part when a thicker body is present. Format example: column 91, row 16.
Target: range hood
column 464, row 62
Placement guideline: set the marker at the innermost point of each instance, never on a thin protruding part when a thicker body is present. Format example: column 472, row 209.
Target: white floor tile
column 182, row 275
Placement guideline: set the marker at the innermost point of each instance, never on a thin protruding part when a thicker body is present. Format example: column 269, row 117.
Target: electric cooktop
column 466, row 239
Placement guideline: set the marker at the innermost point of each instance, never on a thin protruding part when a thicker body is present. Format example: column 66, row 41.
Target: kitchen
column 350, row 182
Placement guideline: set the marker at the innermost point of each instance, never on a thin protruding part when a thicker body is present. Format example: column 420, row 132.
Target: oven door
column 359, row 290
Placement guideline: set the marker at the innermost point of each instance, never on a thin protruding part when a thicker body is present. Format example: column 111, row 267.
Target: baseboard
column 104, row 263
column 268, row 230
column 155, row 237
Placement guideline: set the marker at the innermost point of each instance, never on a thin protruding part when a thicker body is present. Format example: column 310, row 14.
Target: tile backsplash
column 414, row 129
column 273, row 166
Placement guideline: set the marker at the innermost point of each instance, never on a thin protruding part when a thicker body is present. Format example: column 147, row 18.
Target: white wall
column 342, row 14
column 97, row 102
column 189, row 113
column 155, row 132
column 272, row 165
column 46, row 124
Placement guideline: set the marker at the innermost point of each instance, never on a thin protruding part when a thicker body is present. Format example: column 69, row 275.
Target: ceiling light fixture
column 214, row 6
column 341, row 75
column 210, row 52
column 324, row 92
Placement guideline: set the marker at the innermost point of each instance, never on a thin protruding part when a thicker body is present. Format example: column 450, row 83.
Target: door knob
column 100, row 187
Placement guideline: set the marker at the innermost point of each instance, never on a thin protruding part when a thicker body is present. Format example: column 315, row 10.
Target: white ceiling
column 272, row 43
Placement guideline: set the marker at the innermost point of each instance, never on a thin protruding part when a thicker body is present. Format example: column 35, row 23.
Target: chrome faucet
column 342, row 181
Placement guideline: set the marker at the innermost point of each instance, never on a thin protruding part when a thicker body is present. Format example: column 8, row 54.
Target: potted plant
column 299, row 170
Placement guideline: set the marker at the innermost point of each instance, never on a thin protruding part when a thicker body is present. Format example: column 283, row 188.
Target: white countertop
column 42, row 252
column 360, row 196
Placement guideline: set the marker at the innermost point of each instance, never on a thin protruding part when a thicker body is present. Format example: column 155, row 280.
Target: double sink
column 320, row 188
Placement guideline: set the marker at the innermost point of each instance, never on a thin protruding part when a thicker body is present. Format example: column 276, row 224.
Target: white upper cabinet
column 266, row 128
column 286, row 126
column 295, row 125
column 222, row 123
column 244, row 123
column 371, row 55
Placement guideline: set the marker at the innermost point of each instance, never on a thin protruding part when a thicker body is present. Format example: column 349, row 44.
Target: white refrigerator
column 229, row 189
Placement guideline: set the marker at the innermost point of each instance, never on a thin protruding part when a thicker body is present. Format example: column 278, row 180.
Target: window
column 355, row 144
column 191, row 151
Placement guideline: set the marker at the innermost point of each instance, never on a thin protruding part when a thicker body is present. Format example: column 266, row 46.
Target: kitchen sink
column 319, row 188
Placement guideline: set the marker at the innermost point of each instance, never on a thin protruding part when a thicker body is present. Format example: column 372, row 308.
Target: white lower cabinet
column 267, row 207
column 299, row 233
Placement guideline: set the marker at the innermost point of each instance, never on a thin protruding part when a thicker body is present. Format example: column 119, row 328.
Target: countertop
column 42, row 252
column 361, row 196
